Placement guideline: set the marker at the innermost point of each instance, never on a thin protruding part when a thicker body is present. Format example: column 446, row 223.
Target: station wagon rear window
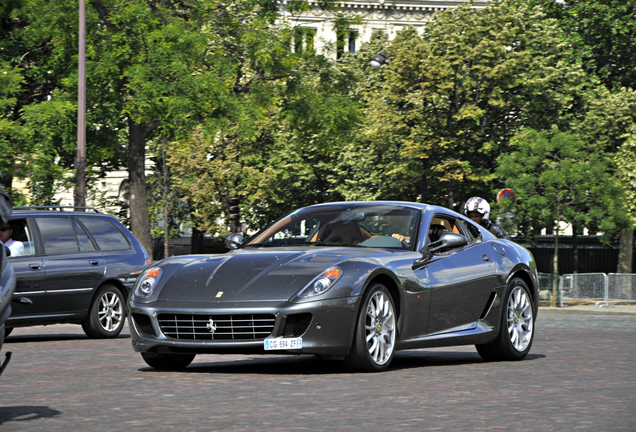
column 105, row 233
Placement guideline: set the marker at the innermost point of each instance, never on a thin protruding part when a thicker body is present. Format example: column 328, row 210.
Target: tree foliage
column 558, row 177
column 246, row 107
column 603, row 36
column 453, row 96
column 273, row 149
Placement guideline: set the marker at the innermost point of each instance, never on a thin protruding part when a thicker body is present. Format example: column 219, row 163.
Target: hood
column 249, row 275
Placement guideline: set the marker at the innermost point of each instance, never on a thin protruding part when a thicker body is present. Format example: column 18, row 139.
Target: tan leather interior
column 348, row 233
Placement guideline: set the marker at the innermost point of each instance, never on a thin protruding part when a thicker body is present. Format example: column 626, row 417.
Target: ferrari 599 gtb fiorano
column 355, row 281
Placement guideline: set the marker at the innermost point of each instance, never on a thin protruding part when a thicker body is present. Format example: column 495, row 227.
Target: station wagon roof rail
column 60, row 208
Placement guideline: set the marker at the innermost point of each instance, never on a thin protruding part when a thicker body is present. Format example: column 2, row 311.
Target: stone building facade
column 387, row 16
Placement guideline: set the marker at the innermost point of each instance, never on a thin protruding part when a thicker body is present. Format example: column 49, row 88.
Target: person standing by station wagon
column 478, row 210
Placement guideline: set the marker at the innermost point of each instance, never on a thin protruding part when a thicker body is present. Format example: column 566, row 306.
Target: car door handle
column 485, row 257
column 22, row 300
column 35, row 267
column 94, row 263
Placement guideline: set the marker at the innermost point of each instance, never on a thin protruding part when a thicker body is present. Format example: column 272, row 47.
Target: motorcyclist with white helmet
column 478, row 210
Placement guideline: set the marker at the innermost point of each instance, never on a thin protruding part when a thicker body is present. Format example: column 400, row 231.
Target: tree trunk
column 196, row 245
column 424, row 181
column 166, row 206
column 555, row 268
column 139, row 218
column 575, row 248
column 625, row 252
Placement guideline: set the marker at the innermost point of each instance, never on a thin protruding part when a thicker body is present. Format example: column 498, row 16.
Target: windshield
column 374, row 225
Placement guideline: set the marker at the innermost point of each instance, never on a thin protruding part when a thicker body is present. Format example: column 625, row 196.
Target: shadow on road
column 312, row 365
column 26, row 413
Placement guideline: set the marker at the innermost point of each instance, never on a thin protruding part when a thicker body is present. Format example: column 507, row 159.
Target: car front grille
column 296, row 325
column 216, row 327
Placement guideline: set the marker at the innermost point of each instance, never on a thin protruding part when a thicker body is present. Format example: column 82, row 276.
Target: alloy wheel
column 520, row 320
column 380, row 327
column 111, row 311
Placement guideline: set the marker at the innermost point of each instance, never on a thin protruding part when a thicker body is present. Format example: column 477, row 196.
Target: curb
column 605, row 310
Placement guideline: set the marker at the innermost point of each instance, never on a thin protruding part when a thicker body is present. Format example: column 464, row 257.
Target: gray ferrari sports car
column 355, row 281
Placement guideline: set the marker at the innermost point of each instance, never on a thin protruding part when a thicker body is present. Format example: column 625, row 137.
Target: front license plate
column 283, row 344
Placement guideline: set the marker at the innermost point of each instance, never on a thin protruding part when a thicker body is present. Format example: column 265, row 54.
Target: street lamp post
column 80, row 161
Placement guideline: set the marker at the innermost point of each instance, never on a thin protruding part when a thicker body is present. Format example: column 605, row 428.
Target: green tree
column 602, row 34
column 39, row 135
column 274, row 149
column 608, row 122
column 559, row 178
column 453, row 97
column 625, row 160
column 155, row 69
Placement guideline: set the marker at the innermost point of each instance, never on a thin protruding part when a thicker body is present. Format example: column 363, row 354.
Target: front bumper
column 329, row 333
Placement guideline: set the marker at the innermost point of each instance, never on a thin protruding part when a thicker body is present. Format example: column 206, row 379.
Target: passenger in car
column 16, row 247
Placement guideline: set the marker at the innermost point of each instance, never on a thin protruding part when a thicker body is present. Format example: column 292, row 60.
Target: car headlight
column 147, row 283
column 322, row 283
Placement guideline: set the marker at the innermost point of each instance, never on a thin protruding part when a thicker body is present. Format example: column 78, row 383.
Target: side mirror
column 448, row 240
column 233, row 241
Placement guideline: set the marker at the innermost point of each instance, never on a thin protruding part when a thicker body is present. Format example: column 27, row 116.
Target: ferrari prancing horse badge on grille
column 211, row 326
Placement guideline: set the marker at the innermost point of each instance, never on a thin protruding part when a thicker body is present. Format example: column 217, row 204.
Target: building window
column 346, row 43
column 304, row 38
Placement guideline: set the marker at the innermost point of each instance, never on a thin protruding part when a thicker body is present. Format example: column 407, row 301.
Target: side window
column 85, row 243
column 21, row 237
column 105, row 233
column 58, row 235
column 439, row 225
column 445, row 223
column 471, row 230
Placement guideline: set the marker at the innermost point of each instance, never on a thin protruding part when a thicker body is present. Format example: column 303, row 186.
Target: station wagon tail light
column 147, row 283
column 322, row 283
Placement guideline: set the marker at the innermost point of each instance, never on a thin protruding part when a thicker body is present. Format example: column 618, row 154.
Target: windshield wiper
column 330, row 244
column 254, row 245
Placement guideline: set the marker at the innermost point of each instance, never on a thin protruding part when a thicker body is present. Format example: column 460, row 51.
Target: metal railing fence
column 600, row 287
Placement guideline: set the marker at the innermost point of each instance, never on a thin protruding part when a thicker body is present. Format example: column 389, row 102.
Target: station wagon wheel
column 168, row 361
column 516, row 331
column 107, row 314
column 374, row 340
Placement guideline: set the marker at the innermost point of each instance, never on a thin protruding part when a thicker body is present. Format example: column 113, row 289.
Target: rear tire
column 106, row 315
column 375, row 334
column 516, row 331
column 168, row 361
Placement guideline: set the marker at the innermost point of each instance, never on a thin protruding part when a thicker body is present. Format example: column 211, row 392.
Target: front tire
column 516, row 331
column 168, row 361
column 106, row 315
column 375, row 334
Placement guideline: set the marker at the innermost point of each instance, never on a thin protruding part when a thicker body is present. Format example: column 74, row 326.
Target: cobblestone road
column 580, row 375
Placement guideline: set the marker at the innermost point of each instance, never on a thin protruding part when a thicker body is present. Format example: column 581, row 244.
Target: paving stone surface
column 579, row 376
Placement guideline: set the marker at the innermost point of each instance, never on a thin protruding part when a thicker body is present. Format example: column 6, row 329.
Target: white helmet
column 479, row 205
